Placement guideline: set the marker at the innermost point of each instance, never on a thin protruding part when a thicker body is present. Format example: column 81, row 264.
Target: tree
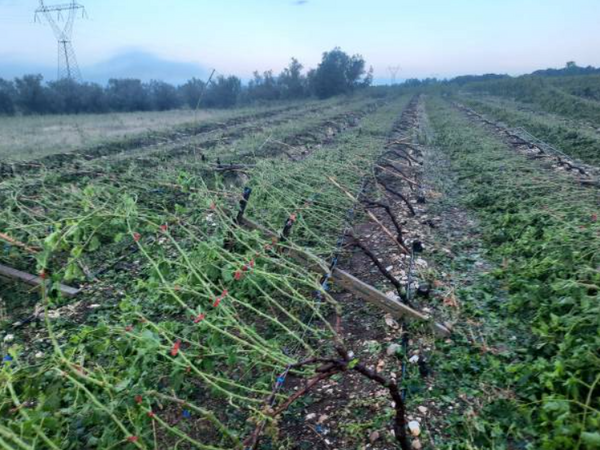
column 127, row 95
column 7, row 97
column 292, row 82
column 263, row 87
column 223, row 92
column 191, row 92
column 163, row 96
column 368, row 79
column 93, row 97
column 65, row 97
column 32, row 97
column 338, row 73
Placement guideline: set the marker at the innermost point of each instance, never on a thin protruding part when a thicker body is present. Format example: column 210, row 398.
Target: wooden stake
column 34, row 280
column 353, row 284
column 7, row 238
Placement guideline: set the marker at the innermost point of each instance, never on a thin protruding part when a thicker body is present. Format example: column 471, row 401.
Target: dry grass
column 25, row 138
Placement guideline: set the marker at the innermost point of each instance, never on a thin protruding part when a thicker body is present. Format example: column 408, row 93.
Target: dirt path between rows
column 353, row 413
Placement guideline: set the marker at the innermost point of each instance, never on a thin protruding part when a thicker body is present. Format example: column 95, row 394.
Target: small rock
column 9, row 338
column 392, row 295
column 39, row 355
column 393, row 349
column 322, row 418
column 310, row 416
column 414, row 427
column 374, row 436
column 422, row 409
column 390, row 322
column 414, row 359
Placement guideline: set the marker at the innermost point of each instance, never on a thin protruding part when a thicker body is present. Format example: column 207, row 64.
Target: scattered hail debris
column 414, row 427
column 393, row 349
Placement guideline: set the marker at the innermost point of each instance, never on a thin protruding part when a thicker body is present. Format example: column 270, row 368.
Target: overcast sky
column 425, row 37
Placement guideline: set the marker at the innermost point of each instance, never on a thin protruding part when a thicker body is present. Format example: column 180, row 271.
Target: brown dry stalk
column 16, row 243
column 372, row 216
column 396, row 173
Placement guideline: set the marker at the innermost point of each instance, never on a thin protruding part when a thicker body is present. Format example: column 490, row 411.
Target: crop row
column 577, row 141
column 198, row 318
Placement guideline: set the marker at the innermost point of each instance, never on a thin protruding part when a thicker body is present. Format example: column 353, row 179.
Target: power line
column 393, row 72
column 54, row 15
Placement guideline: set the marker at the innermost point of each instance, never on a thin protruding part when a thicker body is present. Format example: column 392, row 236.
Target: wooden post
column 34, row 280
column 353, row 284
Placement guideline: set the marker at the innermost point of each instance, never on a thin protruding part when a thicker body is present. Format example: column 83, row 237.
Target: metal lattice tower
column 393, row 72
column 55, row 14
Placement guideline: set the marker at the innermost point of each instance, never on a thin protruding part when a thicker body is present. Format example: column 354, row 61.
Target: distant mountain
column 145, row 66
column 135, row 64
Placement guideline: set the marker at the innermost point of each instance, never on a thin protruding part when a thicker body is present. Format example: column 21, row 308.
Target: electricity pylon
column 393, row 72
column 54, row 14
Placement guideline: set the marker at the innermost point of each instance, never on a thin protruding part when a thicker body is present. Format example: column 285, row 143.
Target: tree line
column 337, row 73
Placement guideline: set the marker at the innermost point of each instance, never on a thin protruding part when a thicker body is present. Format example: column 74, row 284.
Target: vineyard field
column 400, row 268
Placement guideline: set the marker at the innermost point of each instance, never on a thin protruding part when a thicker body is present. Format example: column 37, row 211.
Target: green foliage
column 543, row 232
column 7, row 97
column 541, row 92
column 293, row 83
column 157, row 354
column 338, row 73
column 572, row 138
column 223, row 92
column 587, row 87
column 31, row 97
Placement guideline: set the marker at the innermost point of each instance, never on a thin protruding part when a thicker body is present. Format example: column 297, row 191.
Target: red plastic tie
column 199, row 318
column 175, row 348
